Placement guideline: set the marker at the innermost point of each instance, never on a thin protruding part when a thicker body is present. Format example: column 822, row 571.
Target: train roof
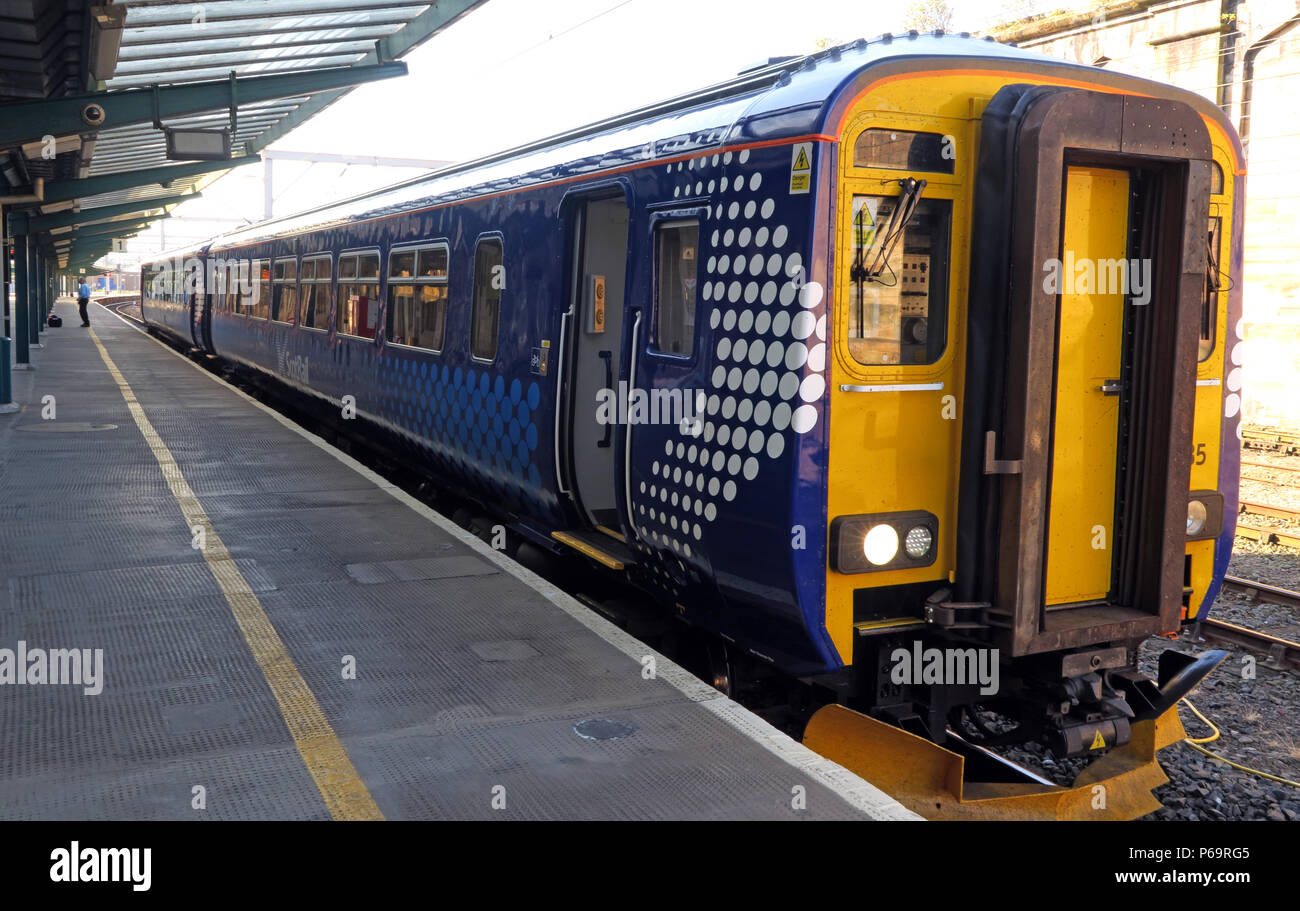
column 785, row 98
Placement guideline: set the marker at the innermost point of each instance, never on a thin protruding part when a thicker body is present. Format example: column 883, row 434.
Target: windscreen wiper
column 908, row 197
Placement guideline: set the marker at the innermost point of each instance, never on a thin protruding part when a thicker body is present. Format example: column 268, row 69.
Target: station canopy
column 112, row 114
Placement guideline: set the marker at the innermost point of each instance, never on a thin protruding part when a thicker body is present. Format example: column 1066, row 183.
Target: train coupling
column 1097, row 698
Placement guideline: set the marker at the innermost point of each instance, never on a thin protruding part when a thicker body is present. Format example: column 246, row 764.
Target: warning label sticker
column 801, row 167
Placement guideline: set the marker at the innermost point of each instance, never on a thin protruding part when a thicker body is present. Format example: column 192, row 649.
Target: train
column 924, row 347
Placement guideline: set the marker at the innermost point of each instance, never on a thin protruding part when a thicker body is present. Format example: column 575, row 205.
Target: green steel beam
column 432, row 20
column 116, row 228
column 23, row 223
column 28, row 121
column 64, row 190
column 83, row 259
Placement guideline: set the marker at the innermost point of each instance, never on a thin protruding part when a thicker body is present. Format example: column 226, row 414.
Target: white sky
column 515, row 70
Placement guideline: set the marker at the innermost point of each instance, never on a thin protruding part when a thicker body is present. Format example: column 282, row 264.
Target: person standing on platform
column 83, row 300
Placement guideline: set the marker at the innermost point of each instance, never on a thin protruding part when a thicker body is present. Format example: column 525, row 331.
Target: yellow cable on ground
column 1195, row 744
column 1197, row 712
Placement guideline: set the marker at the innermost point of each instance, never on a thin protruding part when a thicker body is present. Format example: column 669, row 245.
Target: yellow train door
column 1093, row 277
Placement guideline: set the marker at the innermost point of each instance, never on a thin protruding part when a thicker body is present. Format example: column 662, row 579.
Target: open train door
column 594, row 356
column 1088, row 272
column 200, row 314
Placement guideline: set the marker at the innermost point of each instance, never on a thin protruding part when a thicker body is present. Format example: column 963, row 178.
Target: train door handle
column 1111, row 387
column 608, row 358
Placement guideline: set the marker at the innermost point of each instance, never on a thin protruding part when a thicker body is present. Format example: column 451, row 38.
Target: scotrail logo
column 56, row 666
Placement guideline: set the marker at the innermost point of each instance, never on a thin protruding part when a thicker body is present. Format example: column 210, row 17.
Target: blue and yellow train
column 922, row 341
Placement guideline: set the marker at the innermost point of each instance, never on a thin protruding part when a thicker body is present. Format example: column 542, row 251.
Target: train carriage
column 924, row 340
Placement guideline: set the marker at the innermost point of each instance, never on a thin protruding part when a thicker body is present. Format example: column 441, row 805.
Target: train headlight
column 1204, row 515
column 918, row 541
column 883, row 541
column 880, row 546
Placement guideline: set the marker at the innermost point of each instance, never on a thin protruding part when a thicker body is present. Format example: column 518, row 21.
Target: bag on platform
column 55, row 321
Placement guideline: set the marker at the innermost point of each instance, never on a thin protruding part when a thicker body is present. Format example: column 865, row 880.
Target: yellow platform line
column 340, row 786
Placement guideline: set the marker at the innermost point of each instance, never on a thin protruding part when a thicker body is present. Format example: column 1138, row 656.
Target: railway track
column 1278, row 440
column 1266, row 465
column 1285, row 536
column 1289, row 477
column 1269, row 535
column 1280, row 653
column 1257, row 589
column 1273, row 512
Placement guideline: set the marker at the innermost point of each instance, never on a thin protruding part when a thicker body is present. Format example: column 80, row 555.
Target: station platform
column 285, row 635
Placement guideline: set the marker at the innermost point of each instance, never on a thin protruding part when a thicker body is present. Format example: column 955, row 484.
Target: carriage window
column 901, row 150
column 898, row 288
column 1213, row 285
column 240, row 288
column 417, row 303
column 358, row 311
column 315, row 293
column 433, row 263
column 1216, row 179
column 675, row 247
column 284, row 306
column 259, row 307
column 219, row 301
column 489, row 277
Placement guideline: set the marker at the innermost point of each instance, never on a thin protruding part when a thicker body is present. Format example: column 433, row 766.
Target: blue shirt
column 83, row 290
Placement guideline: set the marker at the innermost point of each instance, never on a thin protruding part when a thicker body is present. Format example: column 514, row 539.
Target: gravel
column 1259, row 719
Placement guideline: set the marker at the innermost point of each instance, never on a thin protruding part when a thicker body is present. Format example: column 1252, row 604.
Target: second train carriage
column 906, row 410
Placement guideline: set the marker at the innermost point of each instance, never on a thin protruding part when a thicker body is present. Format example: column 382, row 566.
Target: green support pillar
column 42, row 292
column 21, row 313
column 33, row 304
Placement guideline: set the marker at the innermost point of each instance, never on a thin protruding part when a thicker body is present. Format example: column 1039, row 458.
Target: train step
column 600, row 545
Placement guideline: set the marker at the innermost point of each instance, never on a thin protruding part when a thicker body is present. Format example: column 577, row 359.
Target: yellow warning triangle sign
column 801, row 162
column 1098, row 742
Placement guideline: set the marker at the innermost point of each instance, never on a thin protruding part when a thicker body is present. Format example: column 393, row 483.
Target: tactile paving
column 457, row 690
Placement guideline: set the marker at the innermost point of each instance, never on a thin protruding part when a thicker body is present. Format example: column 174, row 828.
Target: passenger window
column 676, row 244
column 241, row 292
column 489, row 277
column 1213, row 283
column 284, row 306
column 902, row 150
column 315, row 293
column 260, row 306
column 417, row 298
column 219, row 301
column 898, row 288
column 358, row 310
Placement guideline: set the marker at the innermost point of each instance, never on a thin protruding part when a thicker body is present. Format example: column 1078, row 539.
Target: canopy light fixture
column 197, row 145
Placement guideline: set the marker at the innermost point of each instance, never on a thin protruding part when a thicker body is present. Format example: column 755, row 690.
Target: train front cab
column 1023, row 458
